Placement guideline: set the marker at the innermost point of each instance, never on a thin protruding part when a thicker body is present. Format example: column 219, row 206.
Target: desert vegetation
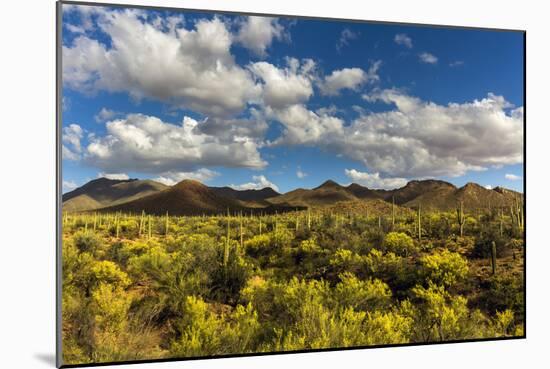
column 144, row 286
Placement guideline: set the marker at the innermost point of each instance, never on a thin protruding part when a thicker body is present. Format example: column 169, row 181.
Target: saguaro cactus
column 166, row 224
column 150, row 227
column 494, row 257
column 308, row 219
column 141, row 222
column 393, row 213
column 117, row 225
column 517, row 213
column 241, row 231
column 501, row 226
column 460, row 217
column 226, row 247
column 419, row 225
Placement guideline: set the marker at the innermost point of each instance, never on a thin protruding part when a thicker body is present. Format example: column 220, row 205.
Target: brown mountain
column 366, row 193
column 104, row 192
column 245, row 195
column 430, row 188
column 472, row 195
column 431, row 194
column 328, row 193
column 188, row 197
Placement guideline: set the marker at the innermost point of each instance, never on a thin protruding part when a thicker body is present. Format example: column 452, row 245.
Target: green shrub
column 86, row 241
column 202, row 332
column 399, row 243
column 369, row 295
column 444, row 267
column 346, row 260
column 441, row 316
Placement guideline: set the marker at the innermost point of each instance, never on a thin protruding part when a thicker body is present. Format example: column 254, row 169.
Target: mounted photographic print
column 236, row 184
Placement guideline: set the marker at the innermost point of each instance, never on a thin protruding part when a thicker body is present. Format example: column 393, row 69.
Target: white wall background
column 27, row 184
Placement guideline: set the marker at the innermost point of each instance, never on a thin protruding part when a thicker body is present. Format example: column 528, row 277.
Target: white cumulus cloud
column 114, row 176
column 285, row 86
column 512, row 177
column 300, row 173
column 69, row 185
column 71, row 137
column 428, row 58
column 201, row 175
column 257, row 33
column 258, row 183
column 404, row 40
column 345, row 37
column 416, row 138
column 349, row 78
column 145, row 143
column 303, row 126
column 374, row 181
column 105, row 114
column 187, row 67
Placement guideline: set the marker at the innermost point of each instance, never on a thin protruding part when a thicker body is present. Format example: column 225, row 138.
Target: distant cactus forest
column 153, row 284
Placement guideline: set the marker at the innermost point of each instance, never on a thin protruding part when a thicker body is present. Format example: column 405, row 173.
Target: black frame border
column 59, row 166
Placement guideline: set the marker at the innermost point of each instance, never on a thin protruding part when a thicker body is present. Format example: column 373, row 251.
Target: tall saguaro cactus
column 501, row 226
column 308, row 219
column 419, row 225
column 517, row 213
column 166, row 224
column 141, row 222
column 494, row 257
column 241, row 231
column 226, row 247
column 393, row 213
column 460, row 217
column 117, row 225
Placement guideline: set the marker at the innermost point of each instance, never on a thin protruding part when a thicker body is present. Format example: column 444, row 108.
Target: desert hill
column 104, row 192
column 190, row 197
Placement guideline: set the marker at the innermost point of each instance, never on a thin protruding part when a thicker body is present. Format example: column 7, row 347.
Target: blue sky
column 287, row 103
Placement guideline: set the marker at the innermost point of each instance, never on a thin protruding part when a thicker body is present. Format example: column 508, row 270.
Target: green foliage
column 202, row 332
column 131, row 291
column 503, row 292
column 372, row 294
column 107, row 272
column 86, row 241
column 483, row 244
column 442, row 316
column 228, row 278
column 399, row 243
column 258, row 246
column 346, row 260
column 504, row 321
column 444, row 267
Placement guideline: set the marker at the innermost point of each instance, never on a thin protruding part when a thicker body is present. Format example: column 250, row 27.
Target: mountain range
column 190, row 197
